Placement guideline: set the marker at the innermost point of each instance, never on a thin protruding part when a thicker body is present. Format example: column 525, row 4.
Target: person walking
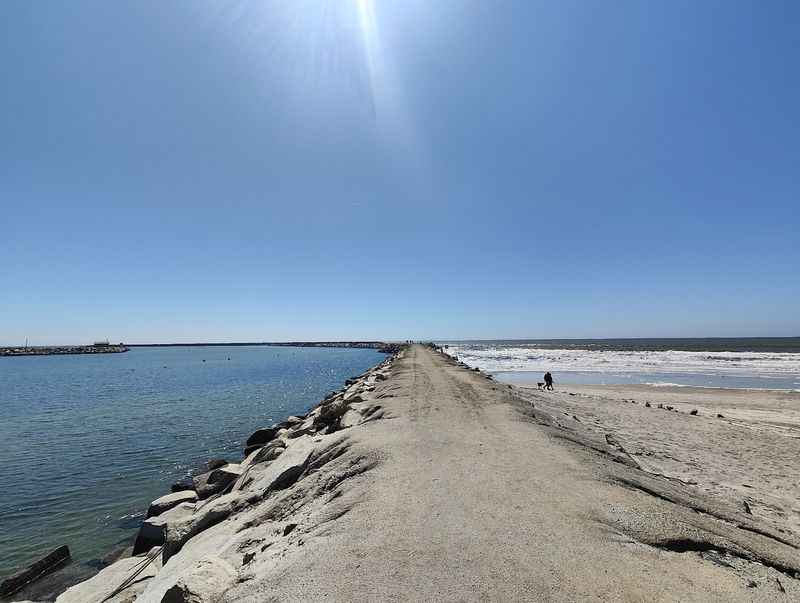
column 548, row 381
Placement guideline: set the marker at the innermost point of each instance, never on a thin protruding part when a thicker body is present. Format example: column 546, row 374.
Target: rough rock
column 97, row 588
column 330, row 415
column 306, row 428
column 183, row 485
column 283, row 471
column 215, row 481
column 227, row 473
column 178, row 532
column 151, row 533
column 352, row 392
column 215, row 464
column 262, row 436
column 350, row 418
column 205, row 583
column 268, row 453
column 264, row 454
column 214, row 541
column 248, row 450
column 205, row 540
column 167, row 502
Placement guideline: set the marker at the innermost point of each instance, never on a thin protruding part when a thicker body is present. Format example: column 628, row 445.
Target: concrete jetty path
column 443, row 485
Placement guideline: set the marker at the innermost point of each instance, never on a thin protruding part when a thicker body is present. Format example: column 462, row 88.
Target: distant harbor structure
column 98, row 347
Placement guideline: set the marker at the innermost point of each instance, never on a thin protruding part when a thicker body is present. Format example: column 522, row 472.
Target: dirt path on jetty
column 443, row 485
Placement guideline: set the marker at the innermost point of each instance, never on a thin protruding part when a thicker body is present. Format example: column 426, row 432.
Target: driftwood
column 36, row 570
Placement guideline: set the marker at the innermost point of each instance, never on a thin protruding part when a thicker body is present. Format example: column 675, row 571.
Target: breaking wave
column 509, row 357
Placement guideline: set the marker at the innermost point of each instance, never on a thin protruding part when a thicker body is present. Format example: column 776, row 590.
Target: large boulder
column 305, row 428
column 330, row 414
column 215, row 464
column 213, row 482
column 165, row 503
column 281, row 472
column 262, row 454
column 268, row 453
column 248, row 450
column 151, row 533
column 207, row 581
column 178, row 532
column 262, row 436
column 350, row 418
column 184, row 484
column 352, row 393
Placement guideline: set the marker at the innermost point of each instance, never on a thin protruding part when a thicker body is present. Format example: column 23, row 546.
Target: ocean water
column 86, row 442
column 767, row 363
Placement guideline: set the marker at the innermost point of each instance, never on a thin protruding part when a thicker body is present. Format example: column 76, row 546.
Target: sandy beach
column 748, row 455
column 424, row 480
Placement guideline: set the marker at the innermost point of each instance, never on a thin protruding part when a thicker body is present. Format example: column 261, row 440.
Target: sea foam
column 497, row 358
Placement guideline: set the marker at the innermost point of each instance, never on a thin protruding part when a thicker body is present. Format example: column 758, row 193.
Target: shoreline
column 778, row 383
column 674, row 388
column 51, row 585
column 423, row 479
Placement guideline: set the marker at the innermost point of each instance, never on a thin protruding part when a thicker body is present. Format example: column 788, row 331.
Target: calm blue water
column 86, row 442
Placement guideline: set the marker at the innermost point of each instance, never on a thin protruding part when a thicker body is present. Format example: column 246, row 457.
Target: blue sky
column 183, row 171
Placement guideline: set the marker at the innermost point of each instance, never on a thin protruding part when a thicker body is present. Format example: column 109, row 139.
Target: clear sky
column 329, row 169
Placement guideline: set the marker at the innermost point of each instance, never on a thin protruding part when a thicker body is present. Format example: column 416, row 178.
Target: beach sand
column 749, row 455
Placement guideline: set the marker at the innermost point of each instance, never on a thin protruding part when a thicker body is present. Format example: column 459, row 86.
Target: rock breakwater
column 61, row 350
column 425, row 481
column 207, row 535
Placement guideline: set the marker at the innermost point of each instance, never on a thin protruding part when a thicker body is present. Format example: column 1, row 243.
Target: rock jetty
column 423, row 480
column 276, row 457
column 58, row 350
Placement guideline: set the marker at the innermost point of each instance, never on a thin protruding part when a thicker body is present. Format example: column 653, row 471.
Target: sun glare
column 366, row 13
column 366, row 18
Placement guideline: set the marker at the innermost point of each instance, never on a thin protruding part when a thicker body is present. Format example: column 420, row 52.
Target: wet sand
column 748, row 456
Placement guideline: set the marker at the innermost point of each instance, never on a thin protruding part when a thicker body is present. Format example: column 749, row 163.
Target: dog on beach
column 540, row 384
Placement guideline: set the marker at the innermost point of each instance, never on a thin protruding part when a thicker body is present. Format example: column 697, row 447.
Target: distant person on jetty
column 548, row 380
